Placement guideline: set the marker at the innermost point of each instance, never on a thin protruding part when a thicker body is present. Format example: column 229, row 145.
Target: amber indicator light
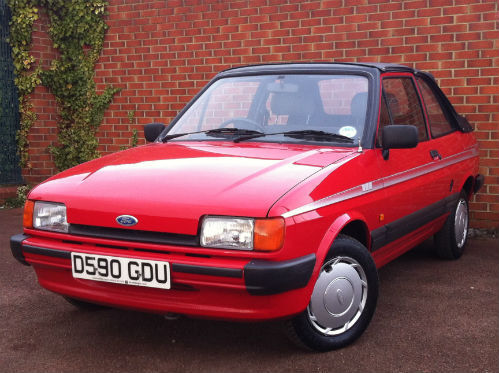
column 268, row 234
column 28, row 214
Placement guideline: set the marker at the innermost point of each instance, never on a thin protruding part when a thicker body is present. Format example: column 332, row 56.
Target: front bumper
column 16, row 247
column 228, row 289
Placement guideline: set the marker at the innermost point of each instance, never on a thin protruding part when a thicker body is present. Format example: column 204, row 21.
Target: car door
column 413, row 182
column 452, row 145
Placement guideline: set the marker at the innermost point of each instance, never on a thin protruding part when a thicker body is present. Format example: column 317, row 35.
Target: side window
column 439, row 124
column 403, row 104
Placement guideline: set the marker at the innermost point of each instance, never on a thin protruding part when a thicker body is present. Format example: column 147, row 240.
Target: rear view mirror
column 398, row 137
column 281, row 87
column 153, row 130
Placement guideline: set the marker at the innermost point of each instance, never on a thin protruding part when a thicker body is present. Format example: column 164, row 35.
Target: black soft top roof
column 318, row 67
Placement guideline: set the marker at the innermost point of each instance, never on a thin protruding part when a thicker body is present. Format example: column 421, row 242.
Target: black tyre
column 343, row 300
column 82, row 305
column 451, row 240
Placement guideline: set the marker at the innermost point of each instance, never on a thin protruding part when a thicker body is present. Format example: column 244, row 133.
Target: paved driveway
column 432, row 316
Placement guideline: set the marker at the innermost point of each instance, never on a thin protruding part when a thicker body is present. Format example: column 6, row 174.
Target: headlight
column 242, row 233
column 50, row 216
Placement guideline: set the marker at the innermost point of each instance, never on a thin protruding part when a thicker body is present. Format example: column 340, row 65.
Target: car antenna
column 359, row 150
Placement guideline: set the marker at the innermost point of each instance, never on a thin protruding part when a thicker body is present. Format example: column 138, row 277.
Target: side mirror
column 398, row 137
column 152, row 131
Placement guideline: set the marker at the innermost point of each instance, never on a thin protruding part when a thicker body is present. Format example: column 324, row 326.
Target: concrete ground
column 432, row 316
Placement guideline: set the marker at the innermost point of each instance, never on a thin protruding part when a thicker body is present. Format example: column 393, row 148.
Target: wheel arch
column 352, row 224
column 468, row 186
column 357, row 229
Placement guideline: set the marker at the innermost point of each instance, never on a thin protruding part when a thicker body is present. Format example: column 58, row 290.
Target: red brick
column 343, row 11
column 492, row 90
column 378, row 16
column 403, row 14
column 380, row 34
column 483, row 7
column 413, row 22
column 389, row 7
column 463, row 9
column 428, row 12
column 367, row 26
column 491, row 71
column 369, row 43
column 429, row 30
column 347, row 27
column 289, row 24
column 367, row 9
column 418, row 4
column 392, row 41
column 468, row 18
column 441, row 20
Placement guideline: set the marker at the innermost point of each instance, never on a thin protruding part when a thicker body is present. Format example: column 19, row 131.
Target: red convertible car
column 276, row 193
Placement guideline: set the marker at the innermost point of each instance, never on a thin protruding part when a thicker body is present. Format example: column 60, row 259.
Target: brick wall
column 162, row 52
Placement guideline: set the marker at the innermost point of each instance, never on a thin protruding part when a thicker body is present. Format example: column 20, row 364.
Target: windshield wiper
column 216, row 132
column 316, row 134
column 233, row 131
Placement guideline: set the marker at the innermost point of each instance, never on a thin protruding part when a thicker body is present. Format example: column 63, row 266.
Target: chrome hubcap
column 461, row 223
column 339, row 296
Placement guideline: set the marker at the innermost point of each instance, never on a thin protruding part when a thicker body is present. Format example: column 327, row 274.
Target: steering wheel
column 250, row 124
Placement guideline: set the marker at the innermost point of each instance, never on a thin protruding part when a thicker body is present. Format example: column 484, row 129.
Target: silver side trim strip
column 385, row 182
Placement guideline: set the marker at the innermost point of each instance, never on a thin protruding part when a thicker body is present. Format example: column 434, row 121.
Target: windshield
column 275, row 104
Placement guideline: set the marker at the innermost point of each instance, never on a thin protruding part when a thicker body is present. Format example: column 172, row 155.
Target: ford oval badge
column 127, row 220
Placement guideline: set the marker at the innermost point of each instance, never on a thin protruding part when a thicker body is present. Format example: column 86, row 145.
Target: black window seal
column 431, row 85
column 446, row 102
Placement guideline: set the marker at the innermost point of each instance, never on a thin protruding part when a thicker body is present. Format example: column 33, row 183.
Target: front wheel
column 343, row 300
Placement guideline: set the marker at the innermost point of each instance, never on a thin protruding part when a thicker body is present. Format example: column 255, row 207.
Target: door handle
column 435, row 155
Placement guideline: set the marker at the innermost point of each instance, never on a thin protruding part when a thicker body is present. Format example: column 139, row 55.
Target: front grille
column 134, row 235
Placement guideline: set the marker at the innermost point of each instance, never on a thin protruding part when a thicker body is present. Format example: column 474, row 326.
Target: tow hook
column 170, row 316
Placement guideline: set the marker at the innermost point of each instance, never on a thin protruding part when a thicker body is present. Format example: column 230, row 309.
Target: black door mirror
column 398, row 137
column 152, row 131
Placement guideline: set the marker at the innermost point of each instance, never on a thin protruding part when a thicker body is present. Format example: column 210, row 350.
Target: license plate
column 127, row 271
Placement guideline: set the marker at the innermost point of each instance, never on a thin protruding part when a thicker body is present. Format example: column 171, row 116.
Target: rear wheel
column 343, row 300
column 451, row 240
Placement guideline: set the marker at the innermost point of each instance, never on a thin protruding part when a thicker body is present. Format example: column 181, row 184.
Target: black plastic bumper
column 16, row 247
column 261, row 277
column 264, row 278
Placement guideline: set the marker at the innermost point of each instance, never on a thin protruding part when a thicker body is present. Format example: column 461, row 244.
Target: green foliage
column 135, row 137
column 20, row 198
column 77, row 29
column 27, row 118
column 24, row 14
column 135, row 133
column 131, row 116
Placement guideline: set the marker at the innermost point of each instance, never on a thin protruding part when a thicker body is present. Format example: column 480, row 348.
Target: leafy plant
column 24, row 14
column 20, row 198
column 135, row 133
column 77, row 29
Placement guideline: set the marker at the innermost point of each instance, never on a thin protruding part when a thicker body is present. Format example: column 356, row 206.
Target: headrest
column 285, row 103
column 358, row 105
